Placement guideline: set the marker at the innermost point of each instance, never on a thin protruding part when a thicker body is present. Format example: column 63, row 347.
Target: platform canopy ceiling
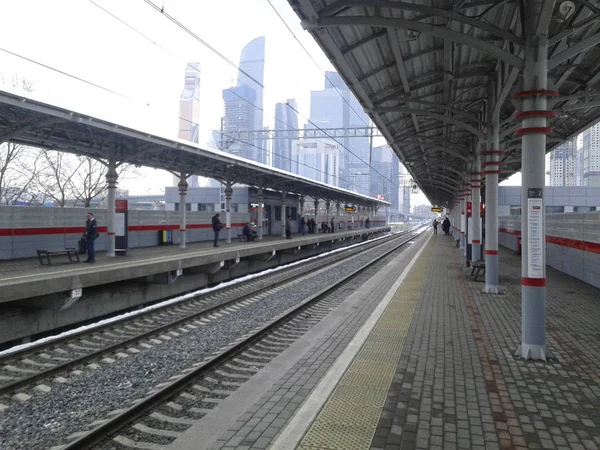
column 29, row 122
column 422, row 69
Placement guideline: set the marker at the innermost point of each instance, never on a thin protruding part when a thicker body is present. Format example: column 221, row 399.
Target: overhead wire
column 214, row 50
column 171, row 18
column 227, row 89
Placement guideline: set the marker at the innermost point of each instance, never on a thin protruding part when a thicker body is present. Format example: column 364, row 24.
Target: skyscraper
column 591, row 156
column 336, row 107
column 189, row 112
column 384, row 179
column 316, row 159
column 244, row 104
column 286, row 118
column 563, row 164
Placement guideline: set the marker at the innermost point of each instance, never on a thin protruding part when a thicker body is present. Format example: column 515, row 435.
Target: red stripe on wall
column 491, row 252
column 577, row 244
column 533, row 282
column 80, row 230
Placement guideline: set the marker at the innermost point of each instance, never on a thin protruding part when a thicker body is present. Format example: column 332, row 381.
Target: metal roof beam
column 458, row 112
column 573, row 50
column 428, row 29
column 340, row 5
column 453, row 121
column 363, row 41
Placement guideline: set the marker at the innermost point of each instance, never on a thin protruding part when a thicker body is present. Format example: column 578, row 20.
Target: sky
column 124, row 61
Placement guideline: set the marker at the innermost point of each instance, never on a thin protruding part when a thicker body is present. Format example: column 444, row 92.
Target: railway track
column 171, row 407
column 27, row 368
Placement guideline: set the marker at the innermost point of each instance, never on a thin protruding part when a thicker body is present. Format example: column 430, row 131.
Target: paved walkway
column 455, row 382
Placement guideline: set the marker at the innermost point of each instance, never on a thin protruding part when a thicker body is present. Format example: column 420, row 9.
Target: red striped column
column 534, row 114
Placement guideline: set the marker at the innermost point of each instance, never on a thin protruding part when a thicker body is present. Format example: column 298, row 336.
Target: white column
column 260, row 219
column 183, row 187
column 111, row 181
column 228, row 194
column 283, row 212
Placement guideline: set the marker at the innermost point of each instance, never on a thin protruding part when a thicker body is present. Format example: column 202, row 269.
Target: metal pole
column 183, row 187
column 475, row 181
column 283, row 213
column 260, row 218
column 337, row 217
column 111, row 181
column 228, row 194
column 533, row 228
column 316, row 214
column 491, row 171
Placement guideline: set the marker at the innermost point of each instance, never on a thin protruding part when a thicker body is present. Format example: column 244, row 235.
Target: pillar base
column 489, row 289
column 536, row 352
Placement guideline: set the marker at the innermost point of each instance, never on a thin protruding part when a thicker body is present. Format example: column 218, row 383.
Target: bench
column 242, row 238
column 46, row 254
column 478, row 268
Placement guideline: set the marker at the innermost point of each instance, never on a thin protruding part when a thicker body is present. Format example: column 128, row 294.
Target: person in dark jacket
column 91, row 233
column 446, row 226
column 249, row 232
column 332, row 222
column 288, row 227
column 216, row 226
column 435, row 225
column 368, row 222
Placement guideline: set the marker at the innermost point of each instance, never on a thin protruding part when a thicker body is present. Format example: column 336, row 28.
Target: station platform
column 421, row 359
column 26, row 278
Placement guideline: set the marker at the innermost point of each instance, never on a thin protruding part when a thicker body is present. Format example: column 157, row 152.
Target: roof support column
column 260, row 219
column 228, row 194
column 463, row 221
column 283, row 213
column 327, row 206
column 337, row 216
column 183, row 187
column 475, row 180
column 491, row 171
column 534, row 112
column 111, row 182
column 316, row 212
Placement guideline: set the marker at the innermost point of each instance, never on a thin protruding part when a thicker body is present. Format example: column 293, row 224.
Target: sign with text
column 535, row 238
column 436, row 210
column 469, row 208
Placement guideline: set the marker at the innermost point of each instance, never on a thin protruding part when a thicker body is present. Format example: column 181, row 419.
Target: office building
column 317, row 159
column 336, row 107
column 244, row 103
column 563, row 164
column 189, row 112
column 591, row 156
column 286, row 120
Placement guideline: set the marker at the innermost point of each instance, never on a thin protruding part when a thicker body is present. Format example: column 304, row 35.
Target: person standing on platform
column 91, row 233
column 446, row 226
column 367, row 222
column 332, row 225
column 216, row 226
column 435, row 225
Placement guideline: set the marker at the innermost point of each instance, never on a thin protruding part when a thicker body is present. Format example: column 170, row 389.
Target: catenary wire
column 187, row 30
column 254, row 105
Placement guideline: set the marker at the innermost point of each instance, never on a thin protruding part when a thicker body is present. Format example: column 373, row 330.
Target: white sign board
column 535, row 238
column 119, row 224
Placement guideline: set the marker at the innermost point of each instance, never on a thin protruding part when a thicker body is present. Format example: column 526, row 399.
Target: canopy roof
column 30, row 122
column 422, row 69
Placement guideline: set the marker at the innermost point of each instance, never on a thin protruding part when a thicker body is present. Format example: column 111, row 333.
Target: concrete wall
column 572, row 242
column 25, row 229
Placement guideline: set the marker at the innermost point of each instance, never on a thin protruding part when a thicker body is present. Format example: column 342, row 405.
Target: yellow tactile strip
column 349, row 418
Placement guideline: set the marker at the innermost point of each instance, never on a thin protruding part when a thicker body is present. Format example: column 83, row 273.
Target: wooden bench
column 46, row 254
column 478, row 268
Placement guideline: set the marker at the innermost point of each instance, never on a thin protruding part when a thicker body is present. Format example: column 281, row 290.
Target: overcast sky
column 139, row 78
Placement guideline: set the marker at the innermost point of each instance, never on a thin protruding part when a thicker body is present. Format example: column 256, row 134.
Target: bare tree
column 56, row 180
column 19, row 164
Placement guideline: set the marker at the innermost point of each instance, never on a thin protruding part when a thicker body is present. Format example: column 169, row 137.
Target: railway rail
column 237, row 361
